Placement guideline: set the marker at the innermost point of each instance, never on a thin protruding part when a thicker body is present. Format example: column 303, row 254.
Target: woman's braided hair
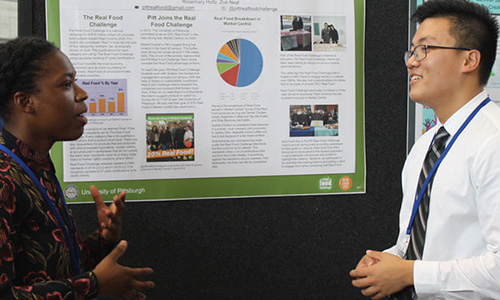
column 20, row 61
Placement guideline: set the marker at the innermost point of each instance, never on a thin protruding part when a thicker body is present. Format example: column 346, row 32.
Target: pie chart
column 239, row 62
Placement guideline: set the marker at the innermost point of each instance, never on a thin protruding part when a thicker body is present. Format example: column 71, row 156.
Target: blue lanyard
column 419, row 196
column 73, row 248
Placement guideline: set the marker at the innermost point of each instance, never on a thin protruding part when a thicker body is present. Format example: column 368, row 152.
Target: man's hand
column 380, row 274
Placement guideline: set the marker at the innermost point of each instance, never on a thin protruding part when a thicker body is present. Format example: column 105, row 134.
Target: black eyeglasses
column 420, row 52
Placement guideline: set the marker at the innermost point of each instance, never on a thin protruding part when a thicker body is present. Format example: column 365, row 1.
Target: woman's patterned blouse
column 34, row 258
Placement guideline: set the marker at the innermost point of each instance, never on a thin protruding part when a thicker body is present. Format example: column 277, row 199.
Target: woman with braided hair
column 40, row 248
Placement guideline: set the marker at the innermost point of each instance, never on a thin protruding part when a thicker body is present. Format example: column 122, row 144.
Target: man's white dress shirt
column 461, row 258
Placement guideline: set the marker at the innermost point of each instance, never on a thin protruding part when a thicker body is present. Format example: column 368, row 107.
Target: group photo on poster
column 169, row 137
column 314, row 120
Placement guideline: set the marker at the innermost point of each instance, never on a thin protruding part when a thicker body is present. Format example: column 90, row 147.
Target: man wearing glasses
column 448, row 245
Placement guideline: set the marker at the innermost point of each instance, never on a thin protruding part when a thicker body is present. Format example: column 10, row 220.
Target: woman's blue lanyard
column 73, row 248
column 419, row 196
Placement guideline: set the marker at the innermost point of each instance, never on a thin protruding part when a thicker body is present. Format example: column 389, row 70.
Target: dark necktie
column 417, row 238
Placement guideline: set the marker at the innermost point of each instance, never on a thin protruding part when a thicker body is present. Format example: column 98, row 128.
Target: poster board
column 239, row 75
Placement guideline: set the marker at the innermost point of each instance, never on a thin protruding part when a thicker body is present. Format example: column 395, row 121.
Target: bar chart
column 107, row 97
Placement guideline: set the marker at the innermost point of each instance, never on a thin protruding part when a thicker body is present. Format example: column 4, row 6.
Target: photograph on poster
column 329, row 33
column 295, row 33
column 169, row 137
column 314, row 120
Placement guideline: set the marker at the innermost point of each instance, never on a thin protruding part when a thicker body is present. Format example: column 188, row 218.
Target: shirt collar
column 456, row 120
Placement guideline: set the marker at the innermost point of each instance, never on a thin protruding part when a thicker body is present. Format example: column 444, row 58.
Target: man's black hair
column 472, row 26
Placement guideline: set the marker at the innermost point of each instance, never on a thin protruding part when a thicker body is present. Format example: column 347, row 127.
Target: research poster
column 191, row 99
column 425, row 115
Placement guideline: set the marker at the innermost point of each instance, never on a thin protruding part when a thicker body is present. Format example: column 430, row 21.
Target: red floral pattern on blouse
column 7, row 189
column 34, row 259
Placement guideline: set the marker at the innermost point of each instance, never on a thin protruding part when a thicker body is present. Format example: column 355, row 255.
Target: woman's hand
column 115, row 280
column 110, row 217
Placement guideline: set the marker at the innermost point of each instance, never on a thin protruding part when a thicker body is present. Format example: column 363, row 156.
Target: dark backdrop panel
column 280, row 247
